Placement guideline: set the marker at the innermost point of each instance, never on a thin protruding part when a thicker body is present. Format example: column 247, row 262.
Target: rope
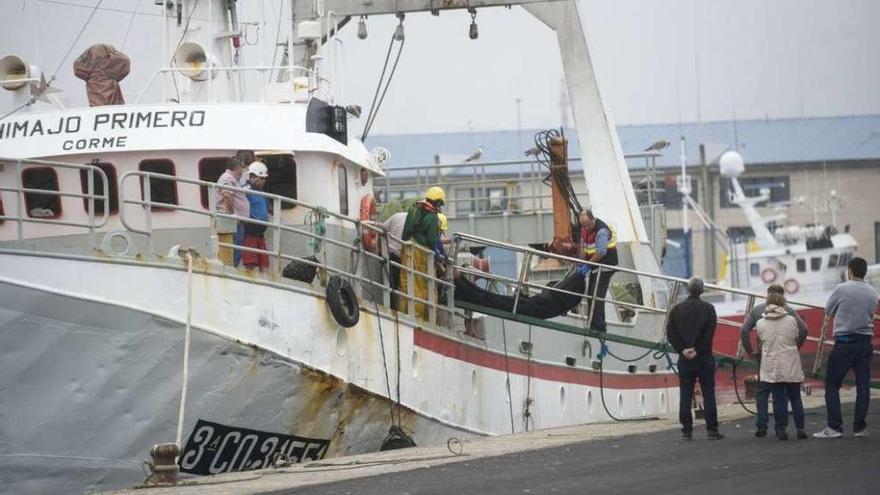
column 507, row 371
column 527, row 414
column 605, row 351
column 385, row 365
column 736, row 390
column 186, row 340
column 316, row 219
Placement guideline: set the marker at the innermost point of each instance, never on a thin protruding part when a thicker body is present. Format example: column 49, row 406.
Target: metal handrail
column 20, row 197
column 677, row 282
column 211, row 69
column 656, row 276
column 498, row 163
column 147, row 205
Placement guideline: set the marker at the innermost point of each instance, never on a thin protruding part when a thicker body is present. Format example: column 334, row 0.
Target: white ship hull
column 91, row 374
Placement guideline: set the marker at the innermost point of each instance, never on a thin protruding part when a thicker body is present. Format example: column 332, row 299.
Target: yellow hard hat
column 436, row 194
column 444, row 223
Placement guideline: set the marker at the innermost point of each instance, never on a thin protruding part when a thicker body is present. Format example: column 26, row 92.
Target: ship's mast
column 611, row 194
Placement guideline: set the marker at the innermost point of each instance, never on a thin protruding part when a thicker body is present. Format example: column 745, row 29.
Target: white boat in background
column 808, row 261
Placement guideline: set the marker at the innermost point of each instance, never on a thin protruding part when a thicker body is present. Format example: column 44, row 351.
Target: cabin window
column 282, row 177
column 801, row 265
column 41, row 205
column 754, row 269
column 161, row 190
column 342, row 177
column 751, row 186
column 815, row 264
column 112, row 193
column 844, row 259
column 210, row 170
column 832, row 261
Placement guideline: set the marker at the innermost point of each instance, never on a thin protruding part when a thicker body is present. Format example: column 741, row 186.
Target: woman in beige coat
column 781, row 364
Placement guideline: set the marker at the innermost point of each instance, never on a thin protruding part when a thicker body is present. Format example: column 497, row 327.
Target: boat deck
column 632, row 458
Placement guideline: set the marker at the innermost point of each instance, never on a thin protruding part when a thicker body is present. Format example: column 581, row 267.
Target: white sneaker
column 863, row 433
column 827, row 432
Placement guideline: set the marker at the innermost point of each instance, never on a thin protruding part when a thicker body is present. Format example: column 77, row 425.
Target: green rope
column 316, row 218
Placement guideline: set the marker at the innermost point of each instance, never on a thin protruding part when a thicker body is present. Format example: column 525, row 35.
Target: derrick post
column 563, row 243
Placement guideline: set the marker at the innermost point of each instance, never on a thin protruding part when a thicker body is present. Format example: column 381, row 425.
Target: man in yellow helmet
column 422, row 227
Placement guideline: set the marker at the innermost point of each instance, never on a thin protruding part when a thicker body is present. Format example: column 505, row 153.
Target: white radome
column 731, row 164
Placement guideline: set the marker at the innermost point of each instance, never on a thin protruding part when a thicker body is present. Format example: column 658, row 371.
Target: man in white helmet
column 255, row 234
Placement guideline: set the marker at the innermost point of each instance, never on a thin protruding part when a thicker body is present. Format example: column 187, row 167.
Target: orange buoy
column 368, row 213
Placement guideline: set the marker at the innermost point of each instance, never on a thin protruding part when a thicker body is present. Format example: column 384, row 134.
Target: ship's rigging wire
column 130, row 24
column 180, row 42
column 375, row 105
column 277, row 37
column 30, row 101
column 72, row 45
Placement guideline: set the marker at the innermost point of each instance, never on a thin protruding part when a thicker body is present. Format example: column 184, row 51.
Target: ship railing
column 438, row 313
column 212, row 70
column 23, row 216
column 673, row 287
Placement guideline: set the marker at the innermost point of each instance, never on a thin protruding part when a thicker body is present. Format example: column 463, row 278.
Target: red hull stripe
column 518, row 366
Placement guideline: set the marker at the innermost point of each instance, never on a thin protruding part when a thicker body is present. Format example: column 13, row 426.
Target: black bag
column 298, row 270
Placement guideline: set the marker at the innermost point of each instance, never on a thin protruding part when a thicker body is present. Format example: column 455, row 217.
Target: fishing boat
column 122, row 326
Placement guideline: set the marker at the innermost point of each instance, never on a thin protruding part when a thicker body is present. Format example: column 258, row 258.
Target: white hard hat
column 259, row 169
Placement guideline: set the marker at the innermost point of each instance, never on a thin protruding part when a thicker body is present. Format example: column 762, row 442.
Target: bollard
column 163, row 469
column 751, row 383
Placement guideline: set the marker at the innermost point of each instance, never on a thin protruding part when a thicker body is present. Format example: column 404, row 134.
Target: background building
column 817, row 170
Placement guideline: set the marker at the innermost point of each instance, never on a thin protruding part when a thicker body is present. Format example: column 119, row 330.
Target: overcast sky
column 659, row 61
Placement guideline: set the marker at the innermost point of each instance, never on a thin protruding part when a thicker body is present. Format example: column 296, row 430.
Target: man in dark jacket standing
column 690, row 330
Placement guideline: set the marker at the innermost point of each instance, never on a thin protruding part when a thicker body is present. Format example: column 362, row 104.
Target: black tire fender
column 342, row 301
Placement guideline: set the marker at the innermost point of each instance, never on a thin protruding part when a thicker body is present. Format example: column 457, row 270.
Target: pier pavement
column 646, row 457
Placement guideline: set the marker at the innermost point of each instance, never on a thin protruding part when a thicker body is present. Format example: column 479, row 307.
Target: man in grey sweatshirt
column 762, row 398
column 852, row 305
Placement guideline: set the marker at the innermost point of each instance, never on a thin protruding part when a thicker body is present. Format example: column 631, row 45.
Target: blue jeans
column 700, row 368
column 239, row 240
column 784, row 392
column 762, row 403
column 854, row 354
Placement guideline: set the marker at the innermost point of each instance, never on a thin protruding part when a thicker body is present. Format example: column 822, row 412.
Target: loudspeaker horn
column 191, row 57
column 15, row 73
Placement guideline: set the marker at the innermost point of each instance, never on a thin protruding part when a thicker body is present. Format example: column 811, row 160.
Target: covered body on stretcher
column 546, row 304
